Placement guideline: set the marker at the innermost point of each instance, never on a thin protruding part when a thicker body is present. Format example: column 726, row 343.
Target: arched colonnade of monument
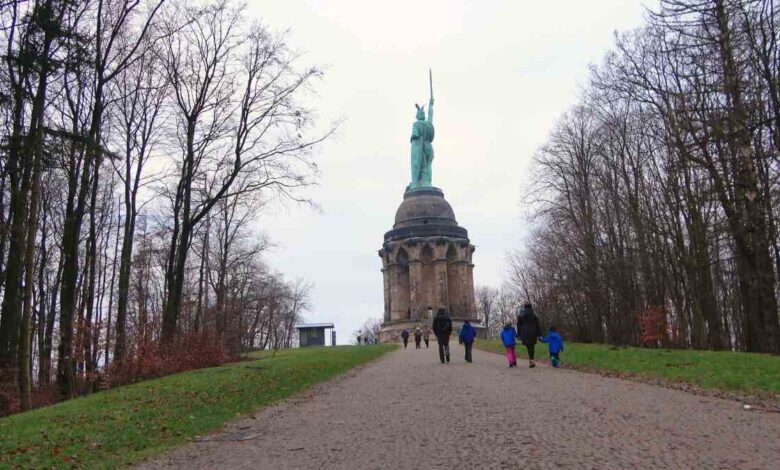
column 423, row 273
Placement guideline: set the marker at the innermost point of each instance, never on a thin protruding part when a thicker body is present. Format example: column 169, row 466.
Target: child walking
column 509, row 338
column 555, row 343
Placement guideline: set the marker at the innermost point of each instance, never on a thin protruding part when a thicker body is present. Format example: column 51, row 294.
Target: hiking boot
column 532, row 365
column 448, row 357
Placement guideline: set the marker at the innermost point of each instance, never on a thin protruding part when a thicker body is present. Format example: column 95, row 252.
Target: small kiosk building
column 313, row 334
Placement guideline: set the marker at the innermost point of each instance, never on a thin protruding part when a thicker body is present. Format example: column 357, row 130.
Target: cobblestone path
column 408, row 411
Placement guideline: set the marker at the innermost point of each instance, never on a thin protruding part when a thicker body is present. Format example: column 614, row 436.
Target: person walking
column 405, row 337
column 442, row 328
column 426, row 336
column 529, row 330
column 555, row 345
column 417, row 337
column 509, row 339
column 467, row 335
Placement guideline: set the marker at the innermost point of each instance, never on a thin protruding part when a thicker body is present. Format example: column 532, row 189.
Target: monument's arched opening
column 453, row 281
column 402, row 281
column 428, row 276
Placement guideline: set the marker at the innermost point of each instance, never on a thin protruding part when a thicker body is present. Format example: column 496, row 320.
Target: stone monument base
column 426, row 266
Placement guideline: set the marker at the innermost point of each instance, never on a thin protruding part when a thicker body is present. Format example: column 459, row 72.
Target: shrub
column 152, row 359
column 653, row 327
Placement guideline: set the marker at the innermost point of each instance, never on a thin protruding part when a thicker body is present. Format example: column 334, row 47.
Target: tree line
column 140, row 139
column 656, row 198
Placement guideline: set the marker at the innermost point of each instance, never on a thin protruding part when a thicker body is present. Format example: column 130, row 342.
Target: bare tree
column 98, row 99
column 655, row 197
column 235, row 105
column 486, row 300
column 138, row 110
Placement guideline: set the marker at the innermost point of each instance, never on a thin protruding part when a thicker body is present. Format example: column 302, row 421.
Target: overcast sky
column 503, row 72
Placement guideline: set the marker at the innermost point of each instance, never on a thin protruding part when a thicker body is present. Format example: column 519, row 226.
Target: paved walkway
column 408, row 411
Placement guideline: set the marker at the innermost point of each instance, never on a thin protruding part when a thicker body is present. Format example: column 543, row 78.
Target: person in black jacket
column 442, row 328
column 405, row 337
column 529, row 330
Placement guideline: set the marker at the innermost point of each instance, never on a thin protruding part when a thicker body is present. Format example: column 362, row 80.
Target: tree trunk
column 757, row 277
column 26, row 331
column 42, row 316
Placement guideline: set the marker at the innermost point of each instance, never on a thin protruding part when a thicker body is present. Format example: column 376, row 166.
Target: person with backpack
column 442, row 328
column 528, row 330
column 467, row 335
column 405, row 337
column 555, row 345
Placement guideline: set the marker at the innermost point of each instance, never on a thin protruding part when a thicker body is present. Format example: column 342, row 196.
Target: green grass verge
column 124, row 425
column 725, row 370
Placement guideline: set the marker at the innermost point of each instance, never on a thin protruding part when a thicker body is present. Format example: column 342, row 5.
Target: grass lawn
column 124, row 425
column 736, row 371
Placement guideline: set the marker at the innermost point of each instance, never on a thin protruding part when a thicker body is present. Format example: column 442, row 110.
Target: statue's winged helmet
column 420, row 112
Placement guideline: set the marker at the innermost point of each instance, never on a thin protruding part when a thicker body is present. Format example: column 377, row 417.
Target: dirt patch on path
column 407, row 410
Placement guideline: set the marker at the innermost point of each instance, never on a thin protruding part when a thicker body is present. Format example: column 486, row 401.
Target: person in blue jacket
column 467, row 335
column 555, row 343
column 405, row 337
column 509, row 339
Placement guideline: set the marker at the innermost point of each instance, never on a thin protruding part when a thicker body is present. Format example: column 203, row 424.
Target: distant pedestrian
column 417, row 337
column 555, row 344
column 509, row 339
column 405, row 337
column 426, row 336
column 442, row 328
column 529, row 330
column 467, row 335
column 359, row 340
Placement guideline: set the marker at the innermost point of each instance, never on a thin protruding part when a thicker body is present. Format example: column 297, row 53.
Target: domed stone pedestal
column 426, row 265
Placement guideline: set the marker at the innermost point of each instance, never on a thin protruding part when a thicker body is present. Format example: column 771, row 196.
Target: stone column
column 472, row 304
column 458, row 297
column 386, row 283
column 440, row 288
column 416, row 284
